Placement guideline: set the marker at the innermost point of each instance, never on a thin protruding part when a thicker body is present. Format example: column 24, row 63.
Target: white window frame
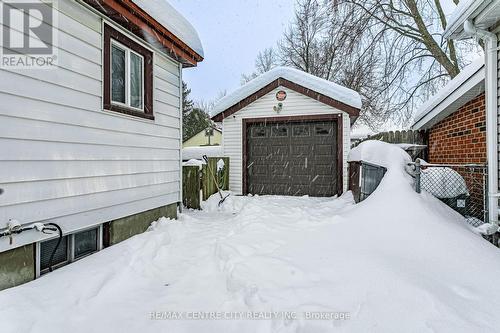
column 128, row 51
column 37, row 257
column 71, row 248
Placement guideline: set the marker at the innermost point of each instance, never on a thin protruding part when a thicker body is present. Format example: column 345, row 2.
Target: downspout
column 491, row 48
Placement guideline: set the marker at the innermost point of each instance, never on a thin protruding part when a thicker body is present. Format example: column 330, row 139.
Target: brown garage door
column 294, row 158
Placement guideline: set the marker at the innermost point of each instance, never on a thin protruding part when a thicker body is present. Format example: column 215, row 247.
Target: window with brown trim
column 128, row 75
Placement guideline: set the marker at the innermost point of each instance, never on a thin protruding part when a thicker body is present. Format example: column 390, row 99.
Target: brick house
column 480, row 20
column 460, row 137
column 455, row 119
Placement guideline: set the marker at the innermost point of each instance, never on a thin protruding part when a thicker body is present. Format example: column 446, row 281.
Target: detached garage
column 288, row 133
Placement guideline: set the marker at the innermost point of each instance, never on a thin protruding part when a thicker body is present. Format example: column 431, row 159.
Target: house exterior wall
column 65, row 159
column 295, row 105
column 460, row 137
column 17, row 266
column 126, row 227
column 201, row 139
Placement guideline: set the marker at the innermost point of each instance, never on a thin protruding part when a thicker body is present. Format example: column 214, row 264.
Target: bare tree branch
column 391, row 51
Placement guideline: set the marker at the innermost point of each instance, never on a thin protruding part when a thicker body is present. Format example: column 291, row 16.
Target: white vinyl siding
column 63, row 158
column 295, row 105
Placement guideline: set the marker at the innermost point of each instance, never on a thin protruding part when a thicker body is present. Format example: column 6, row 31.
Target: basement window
column 85, row 243
column 72, row 248
column 61, row 257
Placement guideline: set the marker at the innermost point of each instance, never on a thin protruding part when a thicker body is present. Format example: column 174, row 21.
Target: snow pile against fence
column 220, row 165
column 399, row 261
column 194, row 162
column 198, row 152
column 380, row 153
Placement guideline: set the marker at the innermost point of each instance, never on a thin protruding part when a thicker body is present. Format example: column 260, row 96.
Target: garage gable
column 321, row 90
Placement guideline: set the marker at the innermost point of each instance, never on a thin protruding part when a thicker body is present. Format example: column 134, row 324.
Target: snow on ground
column 398, row 261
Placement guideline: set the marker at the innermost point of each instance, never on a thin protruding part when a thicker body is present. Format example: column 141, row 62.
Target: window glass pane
column 323, row 130
column 117, row 74
column 258, row 132
column 301, row 130
column 279, row 131
column 61, row 255
column 85, row 243
column 136, row 77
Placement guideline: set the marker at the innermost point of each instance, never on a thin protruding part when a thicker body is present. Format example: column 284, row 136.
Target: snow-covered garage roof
column 171, row 19
column 343, row 95
column 462, row 89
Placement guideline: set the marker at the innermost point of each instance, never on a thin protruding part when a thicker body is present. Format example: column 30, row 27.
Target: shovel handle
column 213, row 176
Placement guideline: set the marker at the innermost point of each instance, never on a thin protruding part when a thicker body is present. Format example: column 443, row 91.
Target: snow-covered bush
column 443, row 182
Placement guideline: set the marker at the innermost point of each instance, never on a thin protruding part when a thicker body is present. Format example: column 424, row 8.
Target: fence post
column 417, row 175
column 485, row 195
column 225, row 177
column 191, row 187
column 207, row 183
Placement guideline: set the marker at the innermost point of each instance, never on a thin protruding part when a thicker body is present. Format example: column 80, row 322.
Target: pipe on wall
column 491, row 48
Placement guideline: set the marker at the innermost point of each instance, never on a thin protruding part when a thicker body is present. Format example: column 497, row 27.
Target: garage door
column 296, row 158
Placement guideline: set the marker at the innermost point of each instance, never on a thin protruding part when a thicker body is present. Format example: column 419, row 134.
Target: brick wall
column 460, row 137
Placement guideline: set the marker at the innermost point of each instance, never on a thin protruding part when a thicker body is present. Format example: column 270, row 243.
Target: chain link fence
column 463, row 187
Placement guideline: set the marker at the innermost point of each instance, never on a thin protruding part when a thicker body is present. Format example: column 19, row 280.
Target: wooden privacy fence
column 404, row 136
column 198, row 184
column 415, row 137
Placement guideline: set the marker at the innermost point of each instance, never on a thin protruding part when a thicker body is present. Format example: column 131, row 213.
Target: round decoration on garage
column 281, row 95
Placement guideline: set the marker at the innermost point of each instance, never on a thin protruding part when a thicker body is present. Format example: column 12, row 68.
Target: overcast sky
column 232, row 32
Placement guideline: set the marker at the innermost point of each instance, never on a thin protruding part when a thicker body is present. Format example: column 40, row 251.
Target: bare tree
column 332, row 42
column 324, row 39
column 208, row 105
column 391, row 51
column 417, row 59
column 265, row 61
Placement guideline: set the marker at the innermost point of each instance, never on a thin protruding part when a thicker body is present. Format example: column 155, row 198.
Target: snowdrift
column 397, row 262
